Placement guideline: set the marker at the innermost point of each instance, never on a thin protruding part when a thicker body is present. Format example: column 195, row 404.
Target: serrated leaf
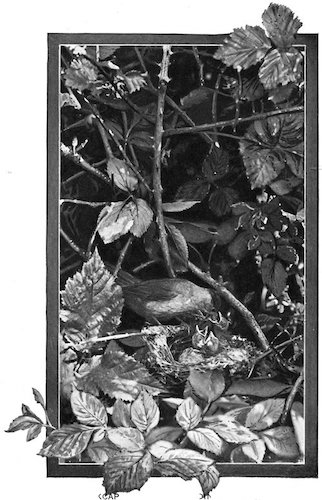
column 285, row 183
column 183, row 463
column 127, row 471
column 22, row 423
column 206, row 439
column 145, row 413
column 134, row 81
column 67, row 442
column 208, row 385
column 221, row 199
column 142, row 139
column 216, row 164
column 93, row 299
column 188, row 414
column 281, row 24
column 38, row 398
column 196, row 189
column 274, row 276
column 142, row 217
column 81, row 74
column 244, row 47
column 179, row 205
column 269, row 145
column 195, row 232
column 118, row 375
column 281, row 67
column 34, row 431
column 88, row 409
column 159, row 448
column 252, row 452
column 167, row 433
column 208, row 480
column 127, row 438
column 101, row 451
column 287, row 253
column 297, row 416
column 238, row 248
column 121, row 415
column 198, row 105
column 232, row 431
column 281, row 441
column 262, row 388
column 123, row 177
column 177, row 240
column 264, row 414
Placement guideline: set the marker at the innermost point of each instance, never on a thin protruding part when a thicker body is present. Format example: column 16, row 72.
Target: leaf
column 269, row 145
column 122, row 175
column 188, row 414
column 93, row 299
column 194, row 232
column 134, row 81
column 281, row 67
column 285, row 183
column 216, row 164
column 206, row 439
column 142, row 139
column 181, row 247
column 264, row 388
column 67, row 442
column 244, row 47
column 281, row 25
column 232, row 431
column 252, row 452
column 127, row 438
column 198, row 105
column 121, row 415
column 208, row 480
column 34, row 431
column 183, row 463
column 101, row 451
column 196, row 189
column 221, row 199
column 158, row 448
column 142, row 217
column 297, row 416
column 287, row 253
column 208, row 385
column 179, row 205
column 264, row 414
column 127, row 471
column 81, row 74
column 66, row 99
column 88, row 409
column 167, row 433
column 266, row 321
column 22, row 423
column 238, row 248
column 118, row 375
column 38, row 398
column 274, row 276
column 145, row 413
column 281, row 441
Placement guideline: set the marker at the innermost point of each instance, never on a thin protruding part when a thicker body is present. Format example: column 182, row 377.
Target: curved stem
column 291, row 396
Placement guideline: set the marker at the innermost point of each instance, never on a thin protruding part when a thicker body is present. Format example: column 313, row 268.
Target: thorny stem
column 157, row 186
column 234, row 302
column 73, row 245
column 80, row 162
column 291, row 396
column 227, row 123
column 123, row 254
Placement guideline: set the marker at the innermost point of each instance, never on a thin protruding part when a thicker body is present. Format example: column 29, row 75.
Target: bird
column 163, row 299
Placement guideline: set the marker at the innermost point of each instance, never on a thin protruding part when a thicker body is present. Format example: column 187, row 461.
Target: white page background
column 23, row 223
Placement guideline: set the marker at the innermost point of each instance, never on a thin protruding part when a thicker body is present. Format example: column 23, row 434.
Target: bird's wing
column 153, row 290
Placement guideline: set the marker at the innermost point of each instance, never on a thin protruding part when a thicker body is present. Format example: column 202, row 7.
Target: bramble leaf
column 206, row 439
column 121, row 415
column 38, row 398
column 188, row 414
column 208, row 480
column 166, row 433
column 244, row 47
column 81, row 74
column 145, row 413
column 266, row 388
column 196, row 189
column 232, row 431
column 92, row 301
column 297, row 416
column 208, row 385
column 127, row 471
column 281, row 67
column 179, row 205
column 101, row 451
column 88, row 409
column 67, row 442
column 264, row 414
column 127, row 438
column 251, row 452
column 142, row 217
column 122, row 175
column 134, row 81
column 281, row 441
column 159, row 448
column 281, row 24
column 22, row 423
column 183, row 462
column 274, row 276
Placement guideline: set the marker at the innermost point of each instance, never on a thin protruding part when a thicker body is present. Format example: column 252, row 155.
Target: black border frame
column 310, row 467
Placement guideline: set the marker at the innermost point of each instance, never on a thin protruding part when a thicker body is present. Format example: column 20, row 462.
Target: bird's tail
column 123, row 278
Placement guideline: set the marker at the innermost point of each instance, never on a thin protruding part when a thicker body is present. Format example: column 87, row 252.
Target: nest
column 175, row 350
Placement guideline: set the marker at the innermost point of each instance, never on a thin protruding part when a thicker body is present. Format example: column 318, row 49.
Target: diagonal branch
column 79, row 161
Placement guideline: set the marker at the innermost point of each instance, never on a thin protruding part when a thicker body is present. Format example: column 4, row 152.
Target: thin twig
column 118, row 336
column 107, row 147
column 214, row 103
column 234, row 302
column 123, row 254
column 73, row 245
column 144, row 265
column 93, row 204
column 228, row 123
column 200, row 66
column 80, row 162
column 157, row 186
column 291, row 397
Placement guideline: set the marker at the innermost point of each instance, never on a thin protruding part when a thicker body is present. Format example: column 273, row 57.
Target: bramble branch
column 80, row 162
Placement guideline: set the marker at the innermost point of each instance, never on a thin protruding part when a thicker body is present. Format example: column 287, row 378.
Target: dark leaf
column 252, row 452
column 244, row 47
column 88, row 409
column 285, row 183
column 142, row 139
column 216, row 164
column 287, row 253
column 238, row 248
column 180, row 246
column 118, row 375
column 195, row 232
column 196, row 189
column 189, row 414
column 92, row 299
column 208, row 385
column 106, row 51
column 127, row 438
column 121, row 415
column 206, row 439
column 198, row 105
column 145, row 413
column 281, row 441
column 264, row 388
column 281, row 67
column 209, row 480
column 121, row 174
column 81, row 74
column 281, row 24
column 274, row 276
column 267, row 322
column 67, row 442
column 221, row 199
column 264, row 414
column 127, row 471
